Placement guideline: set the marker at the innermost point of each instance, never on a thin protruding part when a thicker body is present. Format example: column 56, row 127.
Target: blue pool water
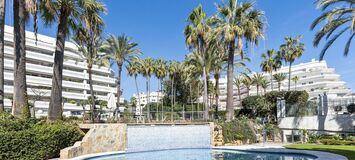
column 202, row 154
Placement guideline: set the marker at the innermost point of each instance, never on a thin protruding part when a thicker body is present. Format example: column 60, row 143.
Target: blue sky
column 157, row 26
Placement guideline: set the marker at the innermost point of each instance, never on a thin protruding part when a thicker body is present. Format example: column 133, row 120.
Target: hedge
column 32, row 139
column 241, row 129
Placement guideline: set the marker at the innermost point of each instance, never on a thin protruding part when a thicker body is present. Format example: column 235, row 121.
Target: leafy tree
column 247, row 82
column 147, row 70
column 295, row 79
column 338, row 20
column 257, row 80
column 279, row 77
column 271, row 62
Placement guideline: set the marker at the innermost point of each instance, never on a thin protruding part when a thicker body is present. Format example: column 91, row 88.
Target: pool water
column 202, row 154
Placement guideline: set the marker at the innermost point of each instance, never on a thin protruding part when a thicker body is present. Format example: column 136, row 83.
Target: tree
column 120, row 50
column 173, row 71
column 196, row 33
column 20, row 106
column 271, row 62
column 160, row 72
column 88, row 39
column 238, row 83
column 279, row 77
column 133, row 70
column 295, row 79
column 2, row 30
column 337, row 21
column 264, row 84
column 238, row 23
column 147, row 70
column 38, row 94
column 66, row 13
column 290, row 51
column 257, row 80
column 247, row 82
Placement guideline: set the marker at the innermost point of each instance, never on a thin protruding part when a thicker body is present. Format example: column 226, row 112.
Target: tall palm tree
column 264, row 84
column 247, row 82
column 338, row 20
column 120, row 50
column 239, row 22
column 133, row 68
column 147, row 70
column 238, row 83
column 88, row 38
column 2, row 30
column 270, row 63
column 290, row 51
column 20, row 106
column 173, row 70
column 257, row 81
column 295, row 79
column 279, row 77
column 160, row 71
column 196, row 33
column 66, row 13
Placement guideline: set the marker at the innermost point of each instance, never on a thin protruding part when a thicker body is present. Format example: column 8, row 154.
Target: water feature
column 160, row 137
column 203, row 154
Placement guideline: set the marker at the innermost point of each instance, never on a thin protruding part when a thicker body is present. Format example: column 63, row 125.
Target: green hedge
column 241, row 129
column 31, row 139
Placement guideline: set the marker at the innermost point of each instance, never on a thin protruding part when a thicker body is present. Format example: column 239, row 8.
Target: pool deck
column 278, row 148
column 269, row 148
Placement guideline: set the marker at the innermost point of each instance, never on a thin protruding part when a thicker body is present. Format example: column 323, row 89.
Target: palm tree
column 264, row 84
column 247, row 82
column 279, row 77
column 66, row 13
column 238, row 83
column 147, row 70
column 196, row 33
column 121, row 50
column 160, row 71
column 257, row 81
column 337, row 21
column 88, row 39
column 20, row 106
column 133, row 70
column 238, row 23
column 173, row 70
column 295, row 79
column 2, row 30
column 290, row 51
column 270, row 63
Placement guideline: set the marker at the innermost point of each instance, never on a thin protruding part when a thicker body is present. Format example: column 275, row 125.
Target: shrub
column 241, row 129
column 336, row 142
column 258, row 105
column 351, row 108
column 35, row 140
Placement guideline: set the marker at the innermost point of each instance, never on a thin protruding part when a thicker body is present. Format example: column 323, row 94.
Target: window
column 303, row 83
column 310, row 82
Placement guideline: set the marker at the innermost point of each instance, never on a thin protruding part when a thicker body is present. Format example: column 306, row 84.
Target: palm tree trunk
column 139, row 97
column 279, row 85
column 198, row 103
column 205, row 96
column 289, row 76
column 118, row 89
column 147, row 96
column 92, row 107
column 217, row 94
column 172, row 99
column 271, row 83
column 192, row 104
column 257, row 90
column 2, row 28
column 55, row 109
column 240, row 96
column 230, row 107
column 20, row 99
column 162, row 99
column 295, row 85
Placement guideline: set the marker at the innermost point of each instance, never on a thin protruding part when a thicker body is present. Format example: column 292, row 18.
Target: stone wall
column 99, row 138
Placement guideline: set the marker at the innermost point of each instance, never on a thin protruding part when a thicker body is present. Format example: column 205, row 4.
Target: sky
column 157, row 26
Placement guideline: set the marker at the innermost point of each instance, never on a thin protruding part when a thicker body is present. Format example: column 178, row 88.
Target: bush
column 35, row 140
column 258, row 105
column 336, row 142
column 241, row 129
column 351, row 108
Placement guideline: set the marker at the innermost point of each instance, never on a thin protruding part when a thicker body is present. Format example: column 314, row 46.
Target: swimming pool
column 202, row 154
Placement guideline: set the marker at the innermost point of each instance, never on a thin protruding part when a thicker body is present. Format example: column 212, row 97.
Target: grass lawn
column 345, row 150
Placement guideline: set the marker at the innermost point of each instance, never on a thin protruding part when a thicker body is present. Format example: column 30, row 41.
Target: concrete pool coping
column 247, row 148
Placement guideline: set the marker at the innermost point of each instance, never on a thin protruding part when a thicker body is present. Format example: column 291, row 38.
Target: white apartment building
column 315, row 77
column 39, row 75
column 142, row 100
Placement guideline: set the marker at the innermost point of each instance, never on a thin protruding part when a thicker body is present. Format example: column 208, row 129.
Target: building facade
column 39, row 70
column 315, row 77
column 142, row 100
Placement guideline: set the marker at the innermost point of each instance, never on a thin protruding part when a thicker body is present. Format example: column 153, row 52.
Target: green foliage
column 351, row 108
column 258, row 105
column 241, row 129
column 31, row 139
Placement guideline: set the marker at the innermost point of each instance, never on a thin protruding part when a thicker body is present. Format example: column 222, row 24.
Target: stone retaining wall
column 99, row 138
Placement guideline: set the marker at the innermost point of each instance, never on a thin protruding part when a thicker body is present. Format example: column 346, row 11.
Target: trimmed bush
column 241, row 129
column 351, row 108
column 258, row 105
column 35, row 140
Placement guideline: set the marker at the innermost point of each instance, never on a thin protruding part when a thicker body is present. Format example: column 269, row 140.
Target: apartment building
column 315, row 77
column 39, row 70
column 142, row 100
